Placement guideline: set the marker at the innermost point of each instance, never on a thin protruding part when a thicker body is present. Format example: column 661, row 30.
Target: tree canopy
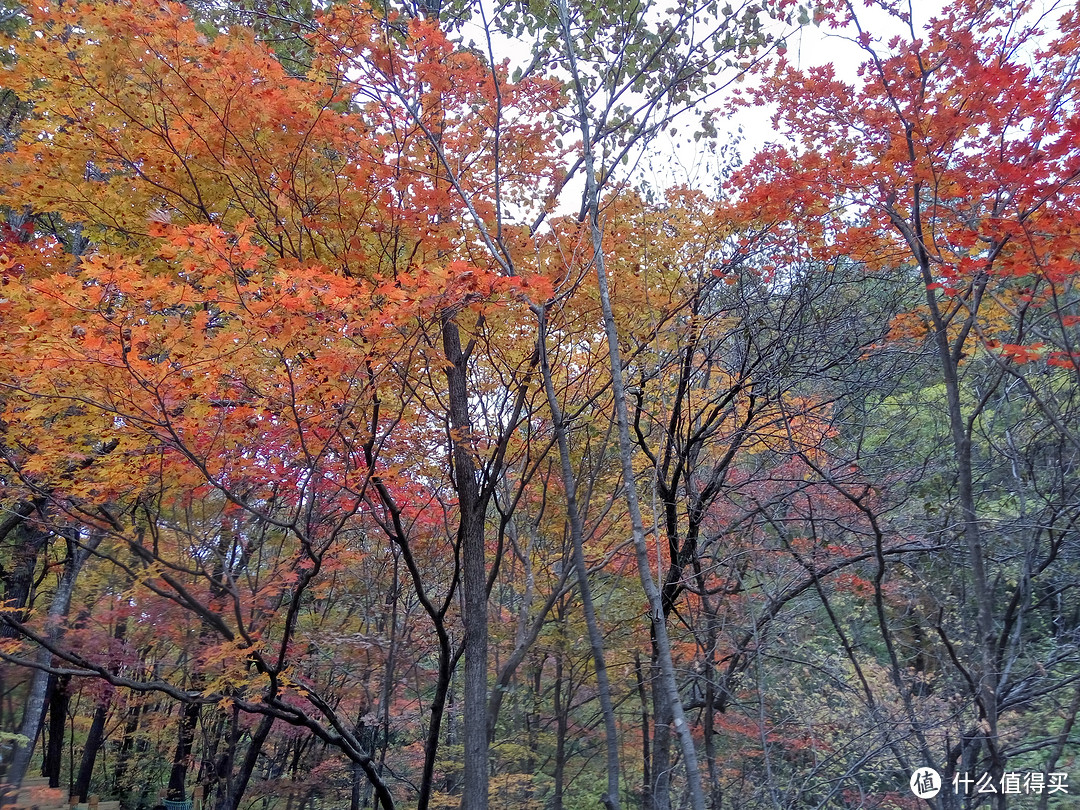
column 371, row 432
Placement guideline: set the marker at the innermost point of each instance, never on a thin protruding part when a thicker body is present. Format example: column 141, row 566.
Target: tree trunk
column 950, row 351
column 236, row 785
column 660, row 790
column 561, row 725
column 646, row 758
column 213, row 767
column 357, row 779
column 441, row 699
column 31, row 723
column 94, row 739
column 189, row 718
column 221, row 776
column 126, row 754
column 59, row 700
column 35, row 702
column 668, row 692
column 447, row 659
column 474, row 572
column 29, row 539
column 715, row 790
column 666, row 696
column 577, row 534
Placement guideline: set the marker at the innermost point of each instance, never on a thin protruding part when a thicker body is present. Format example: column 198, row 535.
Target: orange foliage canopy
column 955, row 155
column 138, row 116
column 267, row 245
column 248, row 340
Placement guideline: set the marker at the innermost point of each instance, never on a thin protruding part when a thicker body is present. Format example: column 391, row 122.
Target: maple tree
column 199, row 325
column 954, row 163
column 339, row 463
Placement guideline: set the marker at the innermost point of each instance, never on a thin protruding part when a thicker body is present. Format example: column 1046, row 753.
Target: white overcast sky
column 807, row 46
column 673, row 160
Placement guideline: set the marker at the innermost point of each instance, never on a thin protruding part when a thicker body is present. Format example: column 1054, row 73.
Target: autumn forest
column 390, row 419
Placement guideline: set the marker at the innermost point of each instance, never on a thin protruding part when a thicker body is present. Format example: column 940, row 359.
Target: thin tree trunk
column 950, row 351
column 577, row 535
column 220, row 777
column 35, row 703
column 669, row 688
column 357, row 779
column 715, row 790
column 237, row 785
column 660, row 790
column 447, row 660
column 126, row 753
column 561, row 726
column 646, row 759
column 708, row 712
column 96, row 736
column 441, row 701
column 532, row 722
column 94, row 739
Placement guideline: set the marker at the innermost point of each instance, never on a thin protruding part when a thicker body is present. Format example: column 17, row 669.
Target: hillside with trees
column 378, row 431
